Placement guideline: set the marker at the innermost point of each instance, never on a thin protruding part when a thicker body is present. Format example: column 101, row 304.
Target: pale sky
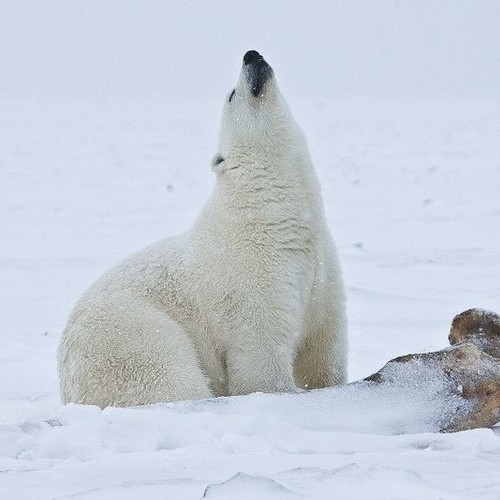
column 353, row 47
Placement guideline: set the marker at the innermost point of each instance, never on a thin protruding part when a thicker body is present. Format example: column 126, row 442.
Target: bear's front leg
column 322, row 356
column 261, row 361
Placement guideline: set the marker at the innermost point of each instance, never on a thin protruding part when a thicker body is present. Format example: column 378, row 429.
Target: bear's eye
column 217, row 160
column 232, row 95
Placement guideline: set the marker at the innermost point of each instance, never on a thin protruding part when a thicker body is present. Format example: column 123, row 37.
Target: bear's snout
column 257, row 70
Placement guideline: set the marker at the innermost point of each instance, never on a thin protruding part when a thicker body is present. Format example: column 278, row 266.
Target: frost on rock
column 461, row 384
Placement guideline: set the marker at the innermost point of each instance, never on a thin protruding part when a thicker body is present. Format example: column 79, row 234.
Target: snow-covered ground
column 411, row 194
column 108, row 121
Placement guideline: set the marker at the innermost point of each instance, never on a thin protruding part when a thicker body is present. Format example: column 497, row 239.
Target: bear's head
column 256, row 123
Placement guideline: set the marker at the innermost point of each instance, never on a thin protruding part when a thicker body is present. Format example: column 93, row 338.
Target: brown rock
column 478, row 326
column 470, row 370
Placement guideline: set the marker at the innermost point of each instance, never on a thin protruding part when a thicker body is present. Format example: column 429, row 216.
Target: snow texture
column 103, row 151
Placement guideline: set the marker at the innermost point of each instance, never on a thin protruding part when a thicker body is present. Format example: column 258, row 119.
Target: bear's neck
column 268, row 191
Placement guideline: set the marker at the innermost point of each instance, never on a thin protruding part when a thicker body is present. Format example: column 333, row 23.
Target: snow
column 97, row 164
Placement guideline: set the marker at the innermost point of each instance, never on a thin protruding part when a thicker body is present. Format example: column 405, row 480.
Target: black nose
column 251, row 56
column 257, row 72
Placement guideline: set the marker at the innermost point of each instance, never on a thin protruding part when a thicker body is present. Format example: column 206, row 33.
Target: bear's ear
column 217, row 163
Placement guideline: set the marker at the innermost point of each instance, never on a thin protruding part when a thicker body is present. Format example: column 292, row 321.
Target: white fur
column 250, row 299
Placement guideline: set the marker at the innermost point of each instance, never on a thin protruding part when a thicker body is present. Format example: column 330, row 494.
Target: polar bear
column 251, row 298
